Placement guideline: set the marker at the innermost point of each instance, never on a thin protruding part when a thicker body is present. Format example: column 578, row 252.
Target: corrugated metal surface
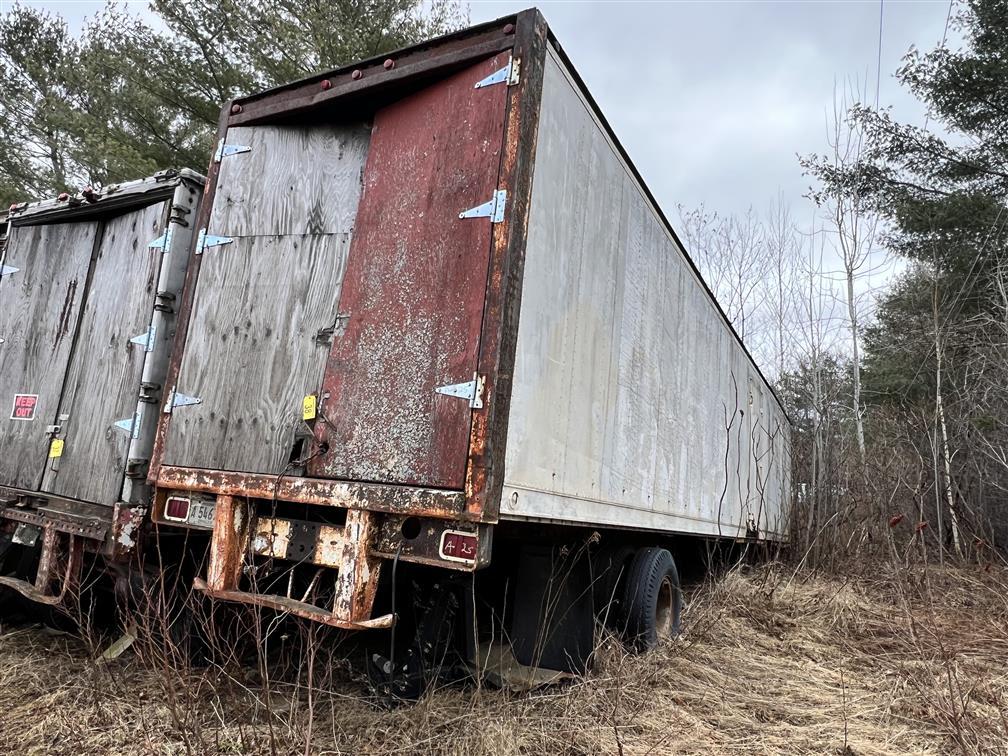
column 633, row 403
column 265, row 306
column 415, row 288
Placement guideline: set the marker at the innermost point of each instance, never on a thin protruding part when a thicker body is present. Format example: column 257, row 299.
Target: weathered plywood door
column 265, row 306
column 40, row 297
column 413, row 295
column 104, row 371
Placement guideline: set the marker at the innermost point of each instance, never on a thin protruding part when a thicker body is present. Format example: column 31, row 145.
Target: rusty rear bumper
column 63, row 530
column 344, row 529
column 237, row 532
column 297, row 608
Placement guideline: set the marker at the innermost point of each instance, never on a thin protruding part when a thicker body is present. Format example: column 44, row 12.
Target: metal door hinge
column 227, row 150
column 471, row 390
column 493, row 209
column 130, row 424
column 509, row 74
column 205, row 240
column 175, row 399
column 163, row 242
column 8, row 270
column 146, row 340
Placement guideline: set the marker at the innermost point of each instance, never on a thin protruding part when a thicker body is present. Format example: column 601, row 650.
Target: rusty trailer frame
column 356, row 548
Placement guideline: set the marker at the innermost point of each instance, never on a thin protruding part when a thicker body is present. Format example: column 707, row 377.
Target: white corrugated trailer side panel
column 634, row 403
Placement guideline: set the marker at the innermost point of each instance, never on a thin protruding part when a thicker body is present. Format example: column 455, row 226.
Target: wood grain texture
column 295, row 180
column 104, row 371
column 252, row 353
column 39, row 308
column 253, row 348
column 415, row 288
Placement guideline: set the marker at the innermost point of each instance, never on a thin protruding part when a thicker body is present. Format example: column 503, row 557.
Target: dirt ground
column 907, row 660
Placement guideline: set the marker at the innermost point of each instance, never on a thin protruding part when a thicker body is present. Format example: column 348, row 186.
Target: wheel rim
column 664, row 608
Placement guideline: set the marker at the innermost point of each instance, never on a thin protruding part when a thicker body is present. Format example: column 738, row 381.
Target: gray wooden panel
column 626, row 374
column 39, row 308
column 253, row 350
column 295, row 180
column 103, row 376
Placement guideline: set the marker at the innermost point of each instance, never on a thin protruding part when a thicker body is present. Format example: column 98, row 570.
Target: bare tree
column 730, row 251
column 784, row 251
column 853, row 225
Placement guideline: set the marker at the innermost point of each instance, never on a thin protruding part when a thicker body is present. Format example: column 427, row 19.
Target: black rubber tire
column 651, row 569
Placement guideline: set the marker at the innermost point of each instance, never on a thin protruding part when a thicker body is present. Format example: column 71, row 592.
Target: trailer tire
column 652, row 599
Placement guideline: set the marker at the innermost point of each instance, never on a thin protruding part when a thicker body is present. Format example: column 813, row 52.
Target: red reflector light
column 459, row 546
column 176, row 508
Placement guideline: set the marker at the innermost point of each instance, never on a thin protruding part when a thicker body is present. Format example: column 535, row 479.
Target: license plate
column 201, row 514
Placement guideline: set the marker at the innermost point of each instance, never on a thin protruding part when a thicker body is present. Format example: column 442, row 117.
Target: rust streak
column 64, row 320
column 485, row 472
column 399, row 499
column 227, row 546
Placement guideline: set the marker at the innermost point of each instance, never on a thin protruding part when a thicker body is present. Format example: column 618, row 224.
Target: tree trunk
column 946, row 456
column 855, row 365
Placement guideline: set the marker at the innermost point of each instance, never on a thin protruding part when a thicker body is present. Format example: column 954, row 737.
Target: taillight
column 177, row 508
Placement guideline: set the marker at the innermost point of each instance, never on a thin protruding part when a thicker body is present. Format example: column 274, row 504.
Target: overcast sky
column 714, row 99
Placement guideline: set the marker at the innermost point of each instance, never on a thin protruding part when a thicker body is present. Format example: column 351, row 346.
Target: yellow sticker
column 308, row 407
column 56, row 448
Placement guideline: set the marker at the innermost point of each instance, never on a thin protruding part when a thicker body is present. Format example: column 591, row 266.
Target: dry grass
column 903, row 662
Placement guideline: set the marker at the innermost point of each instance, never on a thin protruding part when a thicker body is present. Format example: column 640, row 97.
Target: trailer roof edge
column 111, row 198
column 315, row 78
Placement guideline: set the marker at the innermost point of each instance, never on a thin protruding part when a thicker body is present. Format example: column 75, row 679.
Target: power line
column 878, row 63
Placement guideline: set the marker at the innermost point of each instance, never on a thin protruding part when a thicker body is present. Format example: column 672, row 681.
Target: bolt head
column 509, row 28
column 236, row 109
column 389, row 64
column 356, row 74
column 325, row 84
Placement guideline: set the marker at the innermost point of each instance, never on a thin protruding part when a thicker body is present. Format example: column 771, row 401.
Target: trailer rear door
column 105, row 368
column 265, row 306
column 413, row 295
column 337, row 267
column 45, row 275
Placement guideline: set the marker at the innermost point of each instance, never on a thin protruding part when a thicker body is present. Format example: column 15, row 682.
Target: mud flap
column 553, row 621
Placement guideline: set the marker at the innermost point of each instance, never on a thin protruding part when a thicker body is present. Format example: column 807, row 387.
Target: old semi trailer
column 434, row 318
column 87, row 318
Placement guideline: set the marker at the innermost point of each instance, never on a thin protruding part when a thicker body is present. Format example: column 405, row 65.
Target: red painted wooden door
column 411, row 307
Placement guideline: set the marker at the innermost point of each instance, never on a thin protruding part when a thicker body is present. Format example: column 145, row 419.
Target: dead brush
column 911, row 660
